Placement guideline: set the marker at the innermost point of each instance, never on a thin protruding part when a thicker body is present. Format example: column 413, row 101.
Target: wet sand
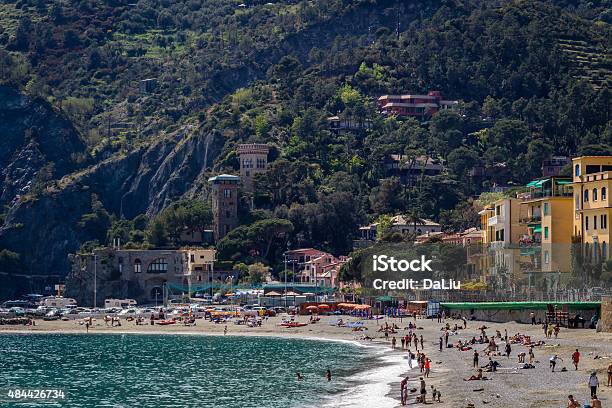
column 508, row 387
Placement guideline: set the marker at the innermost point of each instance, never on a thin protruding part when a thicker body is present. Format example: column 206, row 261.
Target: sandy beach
column 509, row 386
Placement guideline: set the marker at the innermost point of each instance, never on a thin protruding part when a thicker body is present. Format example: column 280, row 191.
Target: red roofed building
column 419, row 106
column 315, row 266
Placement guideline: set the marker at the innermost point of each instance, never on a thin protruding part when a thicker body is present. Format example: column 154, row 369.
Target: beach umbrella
column 312, row 308
column 323, row 306
column 362, row 307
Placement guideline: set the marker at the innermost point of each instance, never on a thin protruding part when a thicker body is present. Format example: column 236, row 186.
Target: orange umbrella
column 362, row 307
column 312, row 308
column 323, row 306
column 346, row 305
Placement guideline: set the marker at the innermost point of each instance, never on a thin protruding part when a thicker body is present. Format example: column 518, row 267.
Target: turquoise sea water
column 123, row 370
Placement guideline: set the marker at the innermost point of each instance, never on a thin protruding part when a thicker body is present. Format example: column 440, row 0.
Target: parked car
column 17, row 311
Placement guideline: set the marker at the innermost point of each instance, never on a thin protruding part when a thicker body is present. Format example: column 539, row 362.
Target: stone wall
column 605, row 323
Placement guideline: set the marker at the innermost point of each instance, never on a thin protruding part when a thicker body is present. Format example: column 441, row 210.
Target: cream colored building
column 253, row 160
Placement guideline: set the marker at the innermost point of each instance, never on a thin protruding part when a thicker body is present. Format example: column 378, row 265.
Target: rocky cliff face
column 33, row 137
column 43, row 227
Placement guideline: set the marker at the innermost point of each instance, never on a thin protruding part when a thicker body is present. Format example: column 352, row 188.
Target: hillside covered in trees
column 532, row 78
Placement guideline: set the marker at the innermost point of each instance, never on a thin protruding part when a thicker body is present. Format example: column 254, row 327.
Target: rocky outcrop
column 45, row 227
column 33, row 136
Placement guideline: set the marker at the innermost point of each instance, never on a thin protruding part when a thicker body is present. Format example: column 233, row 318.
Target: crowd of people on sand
column 494, row 346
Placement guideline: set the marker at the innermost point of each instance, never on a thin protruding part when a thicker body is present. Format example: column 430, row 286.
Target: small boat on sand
column 166, row 322
column 293, row 324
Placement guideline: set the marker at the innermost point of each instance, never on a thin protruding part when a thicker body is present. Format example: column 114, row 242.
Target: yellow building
column 200, row 264
column 502, row 231
column 547, row 209
column 592, row 176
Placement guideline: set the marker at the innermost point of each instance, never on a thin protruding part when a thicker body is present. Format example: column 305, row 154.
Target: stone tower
column 224, row 204
column 253, row 160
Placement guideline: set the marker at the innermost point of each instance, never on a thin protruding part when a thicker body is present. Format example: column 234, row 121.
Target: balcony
column 531, row 219
column 495, row 220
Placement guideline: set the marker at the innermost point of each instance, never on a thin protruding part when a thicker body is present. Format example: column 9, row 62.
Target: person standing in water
column 328, row 374
column 404, row 390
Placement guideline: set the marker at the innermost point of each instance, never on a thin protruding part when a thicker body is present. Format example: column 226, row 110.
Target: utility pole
column 95, row 296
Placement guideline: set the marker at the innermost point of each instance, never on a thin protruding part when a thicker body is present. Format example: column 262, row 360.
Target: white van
column 58, row 302
column 122, row 303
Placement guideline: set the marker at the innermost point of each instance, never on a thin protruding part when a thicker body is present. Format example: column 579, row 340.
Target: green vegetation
column 276, row 73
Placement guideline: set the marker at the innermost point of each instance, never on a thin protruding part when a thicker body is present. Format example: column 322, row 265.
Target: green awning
column 384, row 299
column 563, row 182
column 537, row 183
column 537, row 229
column 520, row 305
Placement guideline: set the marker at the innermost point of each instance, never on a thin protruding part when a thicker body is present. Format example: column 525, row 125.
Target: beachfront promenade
column 510, row 386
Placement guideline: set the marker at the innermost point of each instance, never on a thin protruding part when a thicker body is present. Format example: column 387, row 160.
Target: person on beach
column 422, row 348
column 595, row 402
column 476, row 377
column 225, row 330
column 427, row 365
column 410, row 358
column 440, row 343
column 328, row 374
column 508, row 350
column 576, row 358
column 475, row 359
column 533, row 319
column 545, row 328
column 446, row 337
column 404, row 390
column 572, row 403
column 393, row 343
column 610, row 375
column 403, row 339
column 556, row 330
column 423, row 390
column 593, row 383
column 409, row 340
column 531, row 355
column 553, row 362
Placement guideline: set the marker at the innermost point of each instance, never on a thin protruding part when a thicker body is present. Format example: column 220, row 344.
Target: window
column 594, row 222
column 586, row 223
column 604, row 221
column 603, row 193
column 137, row 266
column 227, row 193
column 577, row 170
column 546, row 209
column 594, row 194
column 546, row 232
column 546, row 257
column 159, row 265
column 586, row 196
